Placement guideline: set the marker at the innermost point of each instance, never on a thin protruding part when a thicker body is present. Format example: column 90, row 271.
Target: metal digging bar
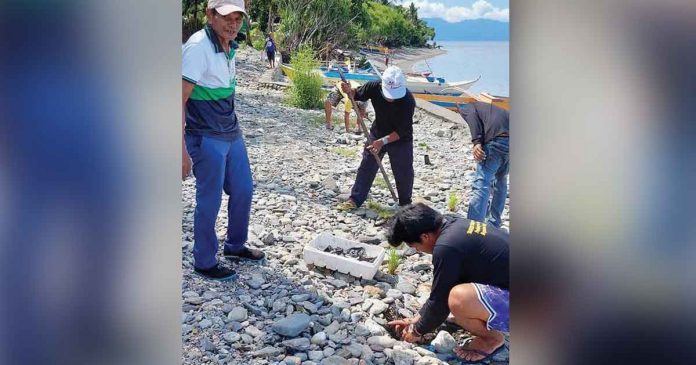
column 367, row 136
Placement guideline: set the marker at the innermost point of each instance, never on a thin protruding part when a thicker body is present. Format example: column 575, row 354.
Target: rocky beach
column 282, row 311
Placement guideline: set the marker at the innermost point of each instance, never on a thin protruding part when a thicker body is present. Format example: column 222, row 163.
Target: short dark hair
column 410, row 222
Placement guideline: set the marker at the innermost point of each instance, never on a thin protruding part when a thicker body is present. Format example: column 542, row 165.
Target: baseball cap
column 224, row 7
column 393, row 83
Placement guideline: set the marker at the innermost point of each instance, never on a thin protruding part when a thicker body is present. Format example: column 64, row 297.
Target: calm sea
column 468, row 60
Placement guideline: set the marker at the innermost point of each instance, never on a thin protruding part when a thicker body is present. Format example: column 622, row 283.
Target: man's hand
column 410, row 335
column 375, row 146
column 405, row 328
column 479, row 154
column 185, row 167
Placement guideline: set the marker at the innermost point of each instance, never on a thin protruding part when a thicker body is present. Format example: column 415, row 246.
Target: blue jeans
column 491, row 173
column 219, row 166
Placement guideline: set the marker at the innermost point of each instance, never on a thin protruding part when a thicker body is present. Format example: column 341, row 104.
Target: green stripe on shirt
column 206, row 93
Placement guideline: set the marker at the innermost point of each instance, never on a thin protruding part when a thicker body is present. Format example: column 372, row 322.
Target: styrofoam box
column 314, row 254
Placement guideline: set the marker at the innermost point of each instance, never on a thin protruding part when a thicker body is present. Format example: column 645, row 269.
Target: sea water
column 466, row 60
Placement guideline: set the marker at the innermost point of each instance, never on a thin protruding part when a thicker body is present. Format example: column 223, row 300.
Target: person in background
column 490, row 132
column 270, row 51
column 471, row 278
column 335, row 97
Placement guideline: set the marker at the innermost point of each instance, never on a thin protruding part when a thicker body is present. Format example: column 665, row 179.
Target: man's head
column 418, row 225
column 226, row 17
column 393, row 83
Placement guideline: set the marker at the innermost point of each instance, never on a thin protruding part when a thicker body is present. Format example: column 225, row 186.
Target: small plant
column 306, row 92
column 452, row 201
column 343, row 151
column 393, row 260
column 424, row 146
column 320, row 121
column 382, row 211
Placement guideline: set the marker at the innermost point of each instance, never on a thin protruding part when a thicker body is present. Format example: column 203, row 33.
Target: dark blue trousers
column 219, row 166
column 401, row 160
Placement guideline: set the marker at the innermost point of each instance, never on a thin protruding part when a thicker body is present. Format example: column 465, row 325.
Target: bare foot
column 479, row 348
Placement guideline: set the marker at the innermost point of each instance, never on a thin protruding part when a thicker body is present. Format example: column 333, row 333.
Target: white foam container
column 314, row 254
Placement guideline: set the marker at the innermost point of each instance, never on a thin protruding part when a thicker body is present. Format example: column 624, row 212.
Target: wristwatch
column 385, row 139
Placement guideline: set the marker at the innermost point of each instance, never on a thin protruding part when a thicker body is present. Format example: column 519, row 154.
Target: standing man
column 214, row 141
column 391, row 132
column 471, row 278
column 490, row 132
column 335, row 97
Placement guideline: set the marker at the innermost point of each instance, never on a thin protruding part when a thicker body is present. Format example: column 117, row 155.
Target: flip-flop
column 486, row 356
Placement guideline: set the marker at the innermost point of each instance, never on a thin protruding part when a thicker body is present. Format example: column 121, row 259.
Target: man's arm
column 187, row 89
column 473, row 120
column 445, row 277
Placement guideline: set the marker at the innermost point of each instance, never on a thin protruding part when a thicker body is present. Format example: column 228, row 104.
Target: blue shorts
column 497, row 302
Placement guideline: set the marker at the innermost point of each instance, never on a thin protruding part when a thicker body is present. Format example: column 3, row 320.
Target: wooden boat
column 451, row 102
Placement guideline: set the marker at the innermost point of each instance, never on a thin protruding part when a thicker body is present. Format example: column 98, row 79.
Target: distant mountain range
column 470, row 30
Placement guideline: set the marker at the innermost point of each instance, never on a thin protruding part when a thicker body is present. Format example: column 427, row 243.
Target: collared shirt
column 210, row 108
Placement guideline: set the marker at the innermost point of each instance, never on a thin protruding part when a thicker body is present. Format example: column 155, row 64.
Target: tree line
column 324, row 25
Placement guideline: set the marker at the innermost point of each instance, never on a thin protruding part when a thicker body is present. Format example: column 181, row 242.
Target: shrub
column 305, row 92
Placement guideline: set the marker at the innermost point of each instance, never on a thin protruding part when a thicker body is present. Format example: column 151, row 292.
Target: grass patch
column 379, row 182
column 393, row 260
column 320, row 120
column 382, row 211
column 424, row 146
column 452, row 201
column 343, row 151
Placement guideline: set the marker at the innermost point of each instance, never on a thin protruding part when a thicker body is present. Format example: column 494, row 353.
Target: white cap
column 393, row 83
column 224, row 7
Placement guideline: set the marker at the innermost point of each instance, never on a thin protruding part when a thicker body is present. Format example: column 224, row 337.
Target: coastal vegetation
column 324, row 25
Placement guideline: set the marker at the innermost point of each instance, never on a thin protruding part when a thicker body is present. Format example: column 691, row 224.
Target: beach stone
column 231, row 337
column 268, row 351
column 373, row 291
column 292, row 360
column 443, row 342
column 205, row 323
column 379, row 343
column 406, row 287
column 378, row 307
column 319, row 338
column 335, row 360
column 315, row 355
column 292, row 325
column 404, row 356
column 238, row 314
column 297, row 344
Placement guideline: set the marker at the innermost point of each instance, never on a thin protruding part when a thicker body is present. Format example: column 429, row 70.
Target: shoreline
column 405, row 58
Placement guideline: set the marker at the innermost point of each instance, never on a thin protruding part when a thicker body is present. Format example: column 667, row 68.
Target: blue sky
column 457, row 10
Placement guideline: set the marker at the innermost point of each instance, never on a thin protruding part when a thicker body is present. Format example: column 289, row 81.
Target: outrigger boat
column 452, row 102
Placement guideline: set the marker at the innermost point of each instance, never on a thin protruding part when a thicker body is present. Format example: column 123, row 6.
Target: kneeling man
column 470, row 277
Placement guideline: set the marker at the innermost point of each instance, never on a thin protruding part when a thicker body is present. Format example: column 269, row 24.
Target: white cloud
column 481, row 9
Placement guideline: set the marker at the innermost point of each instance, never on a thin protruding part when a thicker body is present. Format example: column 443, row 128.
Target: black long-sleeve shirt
column 486, row 121
column 395, row 116
column 465, row 252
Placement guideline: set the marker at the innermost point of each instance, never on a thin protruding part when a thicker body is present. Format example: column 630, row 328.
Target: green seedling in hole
column 393, row 260
column 343, row 151
column 424, row 146
column 452, row 201
column 381, row 210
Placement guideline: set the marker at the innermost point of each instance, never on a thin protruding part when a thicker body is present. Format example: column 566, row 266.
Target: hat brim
column 229, row 9
column 394, row 93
